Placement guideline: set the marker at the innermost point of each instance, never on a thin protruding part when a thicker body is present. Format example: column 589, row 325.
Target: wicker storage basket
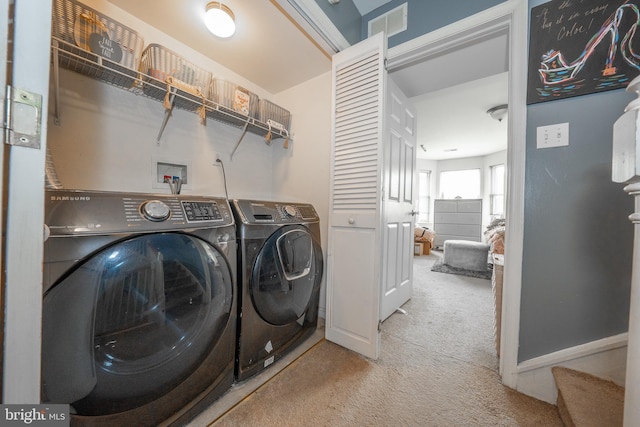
column 165, row 70
column 274, row 115
column 87, row 38
column 235, row 97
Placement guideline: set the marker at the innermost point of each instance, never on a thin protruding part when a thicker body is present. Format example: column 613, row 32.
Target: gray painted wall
column 578, row 241
column 426, row 16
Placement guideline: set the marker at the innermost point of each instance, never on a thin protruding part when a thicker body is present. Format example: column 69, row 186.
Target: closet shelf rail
column 70, row 56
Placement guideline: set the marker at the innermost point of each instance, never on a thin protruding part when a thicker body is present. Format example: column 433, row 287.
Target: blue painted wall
column 426, row 16
column 576, row 271
column 345, row 17
column 578, row 241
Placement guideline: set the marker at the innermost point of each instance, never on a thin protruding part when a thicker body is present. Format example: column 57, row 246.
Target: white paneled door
column 363, row 255
column 398, row 201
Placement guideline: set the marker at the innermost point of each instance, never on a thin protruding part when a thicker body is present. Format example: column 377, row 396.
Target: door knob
column 413, row 213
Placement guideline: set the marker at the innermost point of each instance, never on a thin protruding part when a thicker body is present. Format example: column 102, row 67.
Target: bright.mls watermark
column 34, row 415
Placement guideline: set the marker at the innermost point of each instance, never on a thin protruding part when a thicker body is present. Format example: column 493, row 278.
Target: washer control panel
column 155, row 210
column 288, row 211
column 201, row 211
column 75, row 212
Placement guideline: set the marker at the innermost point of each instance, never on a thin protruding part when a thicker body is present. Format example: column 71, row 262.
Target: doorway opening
column 506, row 22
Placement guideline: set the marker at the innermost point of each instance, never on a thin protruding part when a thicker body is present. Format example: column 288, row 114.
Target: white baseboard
column 605, row 358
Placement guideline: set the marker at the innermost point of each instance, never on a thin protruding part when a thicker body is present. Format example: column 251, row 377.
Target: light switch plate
column 553, row 135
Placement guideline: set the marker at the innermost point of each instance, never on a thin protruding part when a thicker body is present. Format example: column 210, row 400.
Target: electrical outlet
column 553, row 135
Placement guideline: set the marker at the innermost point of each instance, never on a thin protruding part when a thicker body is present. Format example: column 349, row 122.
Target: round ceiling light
column 498, row 112
column 219, row 19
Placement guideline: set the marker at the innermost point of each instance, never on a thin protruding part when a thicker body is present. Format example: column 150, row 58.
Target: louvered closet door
column 355, row 238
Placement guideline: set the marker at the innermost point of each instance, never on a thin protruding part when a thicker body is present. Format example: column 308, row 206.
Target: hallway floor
column 437, row 368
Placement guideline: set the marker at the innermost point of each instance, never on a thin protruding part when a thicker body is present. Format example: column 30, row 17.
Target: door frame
column 509, row 17
column 24, row 185
column 4, row 54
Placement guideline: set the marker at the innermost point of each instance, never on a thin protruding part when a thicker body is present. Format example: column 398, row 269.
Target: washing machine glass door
column 131, row 322
column 286, row 275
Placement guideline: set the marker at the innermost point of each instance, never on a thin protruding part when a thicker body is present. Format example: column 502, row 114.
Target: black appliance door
column 286, row 275
column 132, row 321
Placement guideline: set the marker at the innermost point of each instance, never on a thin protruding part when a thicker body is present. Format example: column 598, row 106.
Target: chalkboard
column 579, row 47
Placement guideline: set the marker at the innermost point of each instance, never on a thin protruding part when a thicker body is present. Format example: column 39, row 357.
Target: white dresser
column 457, row 219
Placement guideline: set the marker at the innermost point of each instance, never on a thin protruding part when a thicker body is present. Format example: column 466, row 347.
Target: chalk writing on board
column 582, row 46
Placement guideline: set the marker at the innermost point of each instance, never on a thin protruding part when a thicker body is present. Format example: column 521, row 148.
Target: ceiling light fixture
column 219, row 19
column 498, row 112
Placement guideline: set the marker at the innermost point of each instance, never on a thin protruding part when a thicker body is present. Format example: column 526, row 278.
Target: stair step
column 585, row 400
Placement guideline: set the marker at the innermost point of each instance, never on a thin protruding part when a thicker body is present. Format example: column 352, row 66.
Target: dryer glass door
column 132, row 321
column 286, row 275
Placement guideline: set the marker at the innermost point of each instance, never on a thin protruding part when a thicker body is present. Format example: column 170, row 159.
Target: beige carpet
column 437, row 368
column 588, row 401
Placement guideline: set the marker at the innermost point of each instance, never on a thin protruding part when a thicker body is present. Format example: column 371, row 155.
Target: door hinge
column 23, row 118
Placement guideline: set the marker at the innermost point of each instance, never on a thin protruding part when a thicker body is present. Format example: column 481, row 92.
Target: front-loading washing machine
column 280, row 267
column 139, row 305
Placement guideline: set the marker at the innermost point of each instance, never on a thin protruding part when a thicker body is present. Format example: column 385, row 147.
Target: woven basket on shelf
column 274, row 115
column 164, row 71
column 94, row 44
column 234, row 97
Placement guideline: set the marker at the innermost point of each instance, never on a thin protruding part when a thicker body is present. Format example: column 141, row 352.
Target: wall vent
column 391, row 23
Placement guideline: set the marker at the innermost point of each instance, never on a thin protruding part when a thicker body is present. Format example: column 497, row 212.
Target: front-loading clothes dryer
column 280, row 267
column 139, row 306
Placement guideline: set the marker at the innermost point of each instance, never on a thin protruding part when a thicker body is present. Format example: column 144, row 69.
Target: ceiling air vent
column 392, row 22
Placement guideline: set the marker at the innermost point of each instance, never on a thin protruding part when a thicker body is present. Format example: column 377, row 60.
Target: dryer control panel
column 266, row 212
column 75, row 212
column 202, row 211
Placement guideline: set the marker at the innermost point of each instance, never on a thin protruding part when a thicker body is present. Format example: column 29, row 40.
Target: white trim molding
column 484, row 24
column 605, row 358
column 24, row 185
column 312, row 20
column 625, row 169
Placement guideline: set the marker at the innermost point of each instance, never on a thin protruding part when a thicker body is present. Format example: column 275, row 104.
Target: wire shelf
column 74, row 58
